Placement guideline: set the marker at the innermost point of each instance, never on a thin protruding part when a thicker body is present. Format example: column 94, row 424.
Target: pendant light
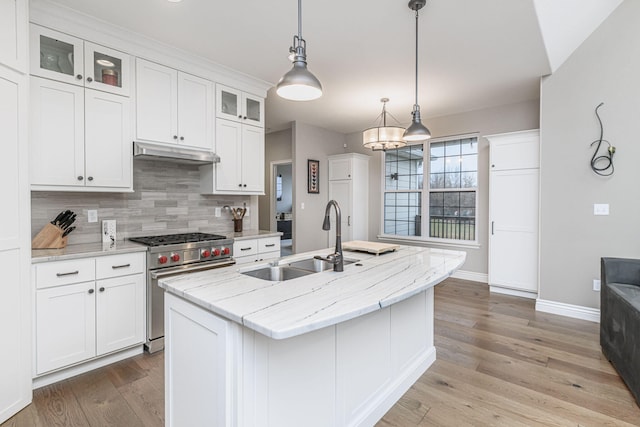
column 417, row 131
column 383, row 137
column 299, row 84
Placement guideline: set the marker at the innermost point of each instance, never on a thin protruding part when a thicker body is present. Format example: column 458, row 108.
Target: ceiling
column 473, row 53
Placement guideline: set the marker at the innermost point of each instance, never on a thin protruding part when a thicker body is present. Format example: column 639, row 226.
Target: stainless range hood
column 178, row 154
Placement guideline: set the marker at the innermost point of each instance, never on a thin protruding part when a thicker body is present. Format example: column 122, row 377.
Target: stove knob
column 216, row 252
column 175, row 257
column 162, row 259
column 225, row 251
column 205, row 254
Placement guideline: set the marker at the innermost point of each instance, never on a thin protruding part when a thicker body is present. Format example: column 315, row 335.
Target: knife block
column 50, row 237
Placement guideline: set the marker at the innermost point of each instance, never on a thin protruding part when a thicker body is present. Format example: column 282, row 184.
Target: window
column 446, row 208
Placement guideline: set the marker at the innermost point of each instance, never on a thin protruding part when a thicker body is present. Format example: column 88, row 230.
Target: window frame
column 425, row 192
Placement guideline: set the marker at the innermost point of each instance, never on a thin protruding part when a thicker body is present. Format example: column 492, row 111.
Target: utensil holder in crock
column 237, row 225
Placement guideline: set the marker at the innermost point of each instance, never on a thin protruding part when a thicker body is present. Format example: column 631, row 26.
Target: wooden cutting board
column 370, row 247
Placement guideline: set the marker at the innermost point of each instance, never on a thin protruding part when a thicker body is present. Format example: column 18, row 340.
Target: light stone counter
column 290, row 308
column 253, row 234
column 85, row 250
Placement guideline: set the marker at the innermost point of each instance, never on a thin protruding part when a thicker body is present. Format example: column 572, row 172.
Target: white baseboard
column 471, row 275
column 569, row 310
column 513, row 292
column 72, row 371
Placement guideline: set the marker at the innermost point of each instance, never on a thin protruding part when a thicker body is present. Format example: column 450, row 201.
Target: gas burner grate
column 174, row 239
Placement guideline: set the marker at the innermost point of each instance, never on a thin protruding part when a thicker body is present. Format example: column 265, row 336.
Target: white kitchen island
column 326, row 349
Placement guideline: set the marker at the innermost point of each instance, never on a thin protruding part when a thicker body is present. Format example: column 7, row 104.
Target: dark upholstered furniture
column 620, row 318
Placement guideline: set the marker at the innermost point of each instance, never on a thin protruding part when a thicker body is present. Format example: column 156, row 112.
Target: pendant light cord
column 602, row 165
column 300, row 19
column 416, row 58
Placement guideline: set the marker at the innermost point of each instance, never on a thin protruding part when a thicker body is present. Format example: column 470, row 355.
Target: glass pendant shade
column 383, row 137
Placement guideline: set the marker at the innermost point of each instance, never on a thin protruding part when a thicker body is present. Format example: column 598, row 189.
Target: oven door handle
column 189, row 269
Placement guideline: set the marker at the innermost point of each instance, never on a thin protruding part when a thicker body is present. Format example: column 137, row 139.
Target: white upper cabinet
column 13, row 24
column 232, row 104
column 68, row 59
column 241, row 167
column 173, row 107
column 80, row 138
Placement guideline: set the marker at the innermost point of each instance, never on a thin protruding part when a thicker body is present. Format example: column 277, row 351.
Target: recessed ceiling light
column 174, row 1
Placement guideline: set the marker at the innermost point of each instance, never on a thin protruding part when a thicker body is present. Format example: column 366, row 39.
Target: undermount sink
column 317, row 265
column 293, row 270
column 277, row 273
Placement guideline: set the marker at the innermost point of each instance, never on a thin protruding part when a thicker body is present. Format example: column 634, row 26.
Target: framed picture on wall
column 313, row 176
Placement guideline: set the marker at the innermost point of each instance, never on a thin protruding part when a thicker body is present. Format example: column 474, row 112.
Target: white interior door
column 513, row 233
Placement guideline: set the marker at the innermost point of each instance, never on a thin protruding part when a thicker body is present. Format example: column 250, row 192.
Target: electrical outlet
column 601, row 209
column 596, row 285
column 302, row 205
column 92, row 215
column 218, row 212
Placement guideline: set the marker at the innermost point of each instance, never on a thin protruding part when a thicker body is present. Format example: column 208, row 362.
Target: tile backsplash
column 166, row 200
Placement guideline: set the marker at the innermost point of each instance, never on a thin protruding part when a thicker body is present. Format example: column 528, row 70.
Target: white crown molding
column 66, row 20
column 568, row 310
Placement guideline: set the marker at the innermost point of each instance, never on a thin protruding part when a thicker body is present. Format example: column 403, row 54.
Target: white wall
column 506, row 118
column 278, row 147
column 311, row 142
column 605, row 68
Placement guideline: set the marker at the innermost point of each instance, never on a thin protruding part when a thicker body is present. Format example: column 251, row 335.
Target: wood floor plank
column 56, row 405
column 101, row 402
column 499, row 363
column 146, row 400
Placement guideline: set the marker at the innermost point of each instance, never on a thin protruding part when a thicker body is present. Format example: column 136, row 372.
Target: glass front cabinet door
column 68, row 59
column 233, row 104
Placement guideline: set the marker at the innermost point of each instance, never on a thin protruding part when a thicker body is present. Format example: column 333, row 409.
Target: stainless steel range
column 174, row 254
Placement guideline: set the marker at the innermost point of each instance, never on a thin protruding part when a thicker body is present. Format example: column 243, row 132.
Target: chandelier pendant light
column 299, row 84
column 416, row 131
column 383, row 137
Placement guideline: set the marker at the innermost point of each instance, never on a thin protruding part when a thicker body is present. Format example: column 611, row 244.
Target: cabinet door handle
column 120, row 266
column 244, row 185
column 349, row 220
column 90, row 178
column 79, row 77
column 71, row 273
column 239, row 185
column 270, row 246
column 101, row 289
column 80, row 177
column 240, row 116
column 492, row 223
column 182, row 138
column 245, row 249
column 175, row 136
column 91, row 290
column 89, row 79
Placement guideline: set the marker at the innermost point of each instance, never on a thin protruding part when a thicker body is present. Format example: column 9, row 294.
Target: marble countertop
column 85, row 250
column 285, row 309
column 253, row 234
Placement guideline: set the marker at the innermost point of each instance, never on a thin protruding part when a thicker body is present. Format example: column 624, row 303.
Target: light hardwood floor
column 499, row 363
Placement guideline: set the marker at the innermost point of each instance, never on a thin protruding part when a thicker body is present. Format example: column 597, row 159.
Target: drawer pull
column 91, row 290
column 245, row 249
column 120, row 266
column 270, row 246
column 71, row 273
column 101, row 289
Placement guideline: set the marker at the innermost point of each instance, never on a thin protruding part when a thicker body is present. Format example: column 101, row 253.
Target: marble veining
column 285, row 309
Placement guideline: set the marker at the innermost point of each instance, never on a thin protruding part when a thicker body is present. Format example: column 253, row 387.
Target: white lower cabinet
column 81, row 315
column 348, row 374
column 255, row 250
